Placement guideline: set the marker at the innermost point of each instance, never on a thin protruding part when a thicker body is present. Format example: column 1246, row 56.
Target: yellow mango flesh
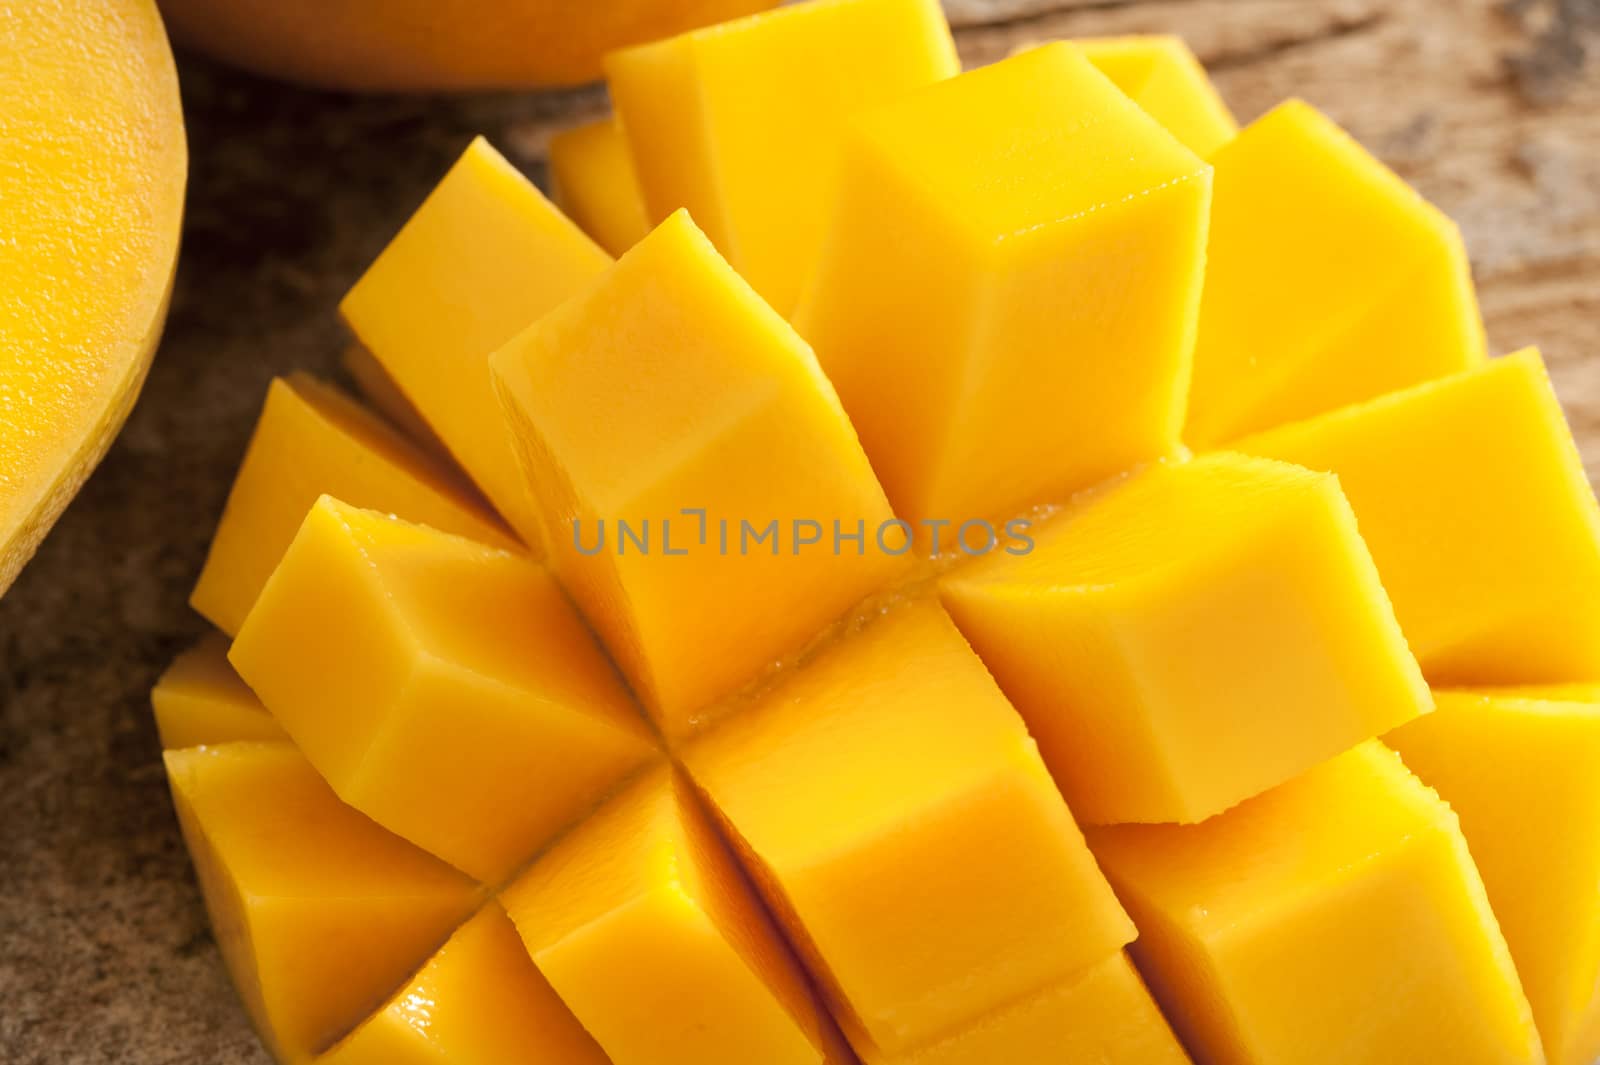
column 1162, row 75
column 875, row 794
column 313, row 440
column 642, row 922
column 593, row 180
column 1333, row 920
column 201, row 700
column 479, row 1001
column 666, row 385
column 966, row 211
column 1159, row 633
column 1328, row 281
column 92, row 171
column 320, row 913
column 375, row 385
column 1523, row 774
column 446, row 689
column 740, row 123
column 484, row 256
column 1472, row 496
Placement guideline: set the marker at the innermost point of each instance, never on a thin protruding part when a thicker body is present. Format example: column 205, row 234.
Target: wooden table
column 104, row 951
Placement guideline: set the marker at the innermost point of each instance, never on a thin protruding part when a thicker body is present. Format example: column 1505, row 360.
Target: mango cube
column 446, row 689
column 740, row 123
column 898, row 819
column 483, row 257
column 668, row 385
column 1192, row 637
column 479, row 1001
column 375, row 386
column 1473, row 498
column 313, row 440
column 642, row 922
column 1007, row 294
column 1523, row 774
column 1336, row 919
column 201, row 700
column 1162, row 75
column 319, row 912
column 1329, row 281
column 593, row 180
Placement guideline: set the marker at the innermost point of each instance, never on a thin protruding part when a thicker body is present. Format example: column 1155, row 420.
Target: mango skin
column 434, row 45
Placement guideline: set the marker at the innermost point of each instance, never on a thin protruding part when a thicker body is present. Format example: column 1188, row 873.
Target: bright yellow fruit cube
column 645, row 926
column 669, row 385
column 882, row 795
column 1007, row 294
column 1162, row 75
column 593, row 180
column 1192, row 637
column 201, row 700
column 740, row 123
column 1337, row 919
column 446, row 689
column 1328, row 281
column 1473, row 498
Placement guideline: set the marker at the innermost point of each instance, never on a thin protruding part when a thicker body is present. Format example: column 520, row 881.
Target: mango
column 1472, row 496
column 741, row 123
column 1522, row 770
column 93, row 165
column 313, row 440
column 593, row 180
column 374, row 385
column 320, row 913
column 1335, row 919
column 200, row 700
column 485, row 256
column 1158, row 632
column 683, row 442
column 1329, row 281
column 646, row 928
column 965, row 213
column 1161, row 74
column 886, row 877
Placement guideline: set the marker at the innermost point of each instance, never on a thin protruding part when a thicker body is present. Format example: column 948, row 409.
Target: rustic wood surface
column 1488, row 107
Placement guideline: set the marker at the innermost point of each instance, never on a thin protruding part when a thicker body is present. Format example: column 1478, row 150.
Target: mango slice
column 201, row 700
column 880, row 795
column 320, row 913
column 1161, row 74
column 446, row 689
column 1473, row 498
column 668, row 385
column 479, row 1001
column 593, row 180
column 484, row 257
column 375, row 386
column 1523, row 773
column 644, row 925
column 92, row 171
column 313, row 440
column 1336, row 919
column 1329, row 281
column 740, row 123
column 967, row 211
column 1158, row 634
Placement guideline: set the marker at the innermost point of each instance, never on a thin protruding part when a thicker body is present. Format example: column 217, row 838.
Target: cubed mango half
column 593, row 180
column 201, row 700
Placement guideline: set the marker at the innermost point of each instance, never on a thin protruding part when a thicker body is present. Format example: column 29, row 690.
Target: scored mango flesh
column 889, row 683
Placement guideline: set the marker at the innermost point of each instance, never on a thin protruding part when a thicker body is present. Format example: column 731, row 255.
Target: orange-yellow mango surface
column 1162, row 75
column 319, row 912
column 1007, row 294
column 896, row 815
column 375, row 385
column 668, row 385
column 92, row 171
column 479, row 1001
column 483, row 257
column 1337, row 919
column 593, row 180
column 201, row 700
column 446, row 689
column 740, row 123
column 1192, row 637
column 1328, row 281
column 313, row 440
column 1472, row 496
column 1523, row 774
column 643, row 923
